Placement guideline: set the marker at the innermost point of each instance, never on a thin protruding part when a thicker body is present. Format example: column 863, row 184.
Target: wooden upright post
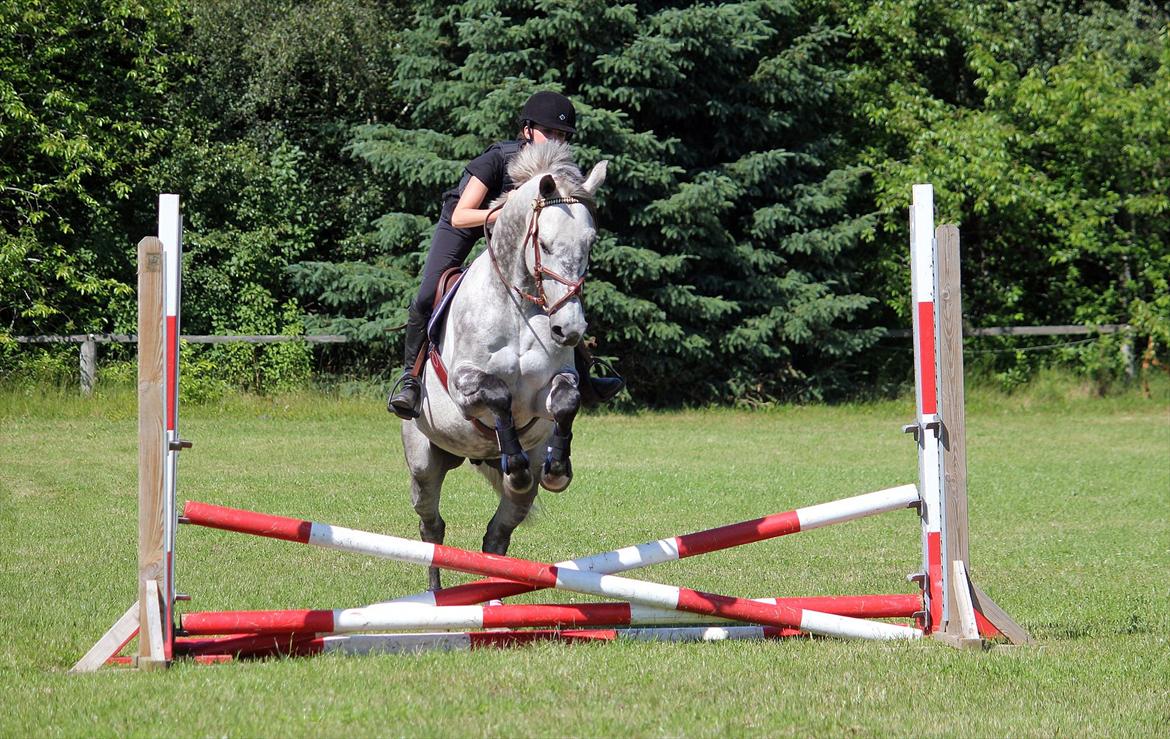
column 152, row 451
column 952, row 401
column 150, row 616
column 962, row 598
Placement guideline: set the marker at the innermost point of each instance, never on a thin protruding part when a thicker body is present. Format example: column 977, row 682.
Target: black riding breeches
column 449, row 248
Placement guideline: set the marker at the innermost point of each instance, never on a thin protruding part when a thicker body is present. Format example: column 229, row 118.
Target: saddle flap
column 448, row 285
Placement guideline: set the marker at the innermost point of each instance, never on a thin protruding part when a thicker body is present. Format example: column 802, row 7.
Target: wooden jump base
column 953, row 609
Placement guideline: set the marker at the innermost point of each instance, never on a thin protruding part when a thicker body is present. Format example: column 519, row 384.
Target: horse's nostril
column 564, row 338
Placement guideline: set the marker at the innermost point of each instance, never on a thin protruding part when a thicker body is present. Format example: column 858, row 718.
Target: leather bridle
column 539, row 271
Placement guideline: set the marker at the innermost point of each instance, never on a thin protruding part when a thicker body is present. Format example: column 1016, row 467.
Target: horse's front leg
column 564, row 400
column 476, row 391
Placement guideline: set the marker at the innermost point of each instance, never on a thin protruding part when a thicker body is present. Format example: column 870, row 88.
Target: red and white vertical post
column 170, row 232
column 924, row 289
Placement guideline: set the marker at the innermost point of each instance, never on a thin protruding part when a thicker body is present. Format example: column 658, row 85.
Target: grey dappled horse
column 507, row 351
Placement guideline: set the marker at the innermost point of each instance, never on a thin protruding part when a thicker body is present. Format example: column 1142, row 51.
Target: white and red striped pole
column 170, row 232
column 687, row 545
column 407, row 616
column 924, row 289
column 540, row 574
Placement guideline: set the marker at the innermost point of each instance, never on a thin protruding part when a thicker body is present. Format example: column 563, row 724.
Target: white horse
column 505, row 384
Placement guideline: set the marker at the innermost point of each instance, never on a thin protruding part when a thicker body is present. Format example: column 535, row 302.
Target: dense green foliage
column 82, row 86
column 1046, row 140
column 753, row 220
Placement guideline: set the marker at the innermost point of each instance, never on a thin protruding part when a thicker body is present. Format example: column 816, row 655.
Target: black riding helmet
column 551, row 110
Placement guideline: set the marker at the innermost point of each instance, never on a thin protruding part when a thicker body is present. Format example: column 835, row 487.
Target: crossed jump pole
column 454, row 607
column 539, row 575
column 950, row 607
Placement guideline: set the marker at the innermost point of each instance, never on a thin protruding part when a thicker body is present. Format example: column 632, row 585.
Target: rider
column 546, row 116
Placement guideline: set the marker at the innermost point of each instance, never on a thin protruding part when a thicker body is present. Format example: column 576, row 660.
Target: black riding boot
column 595, row 390
column 406, row 397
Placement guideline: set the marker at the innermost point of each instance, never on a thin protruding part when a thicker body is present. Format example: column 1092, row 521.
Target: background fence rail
column 89, row 342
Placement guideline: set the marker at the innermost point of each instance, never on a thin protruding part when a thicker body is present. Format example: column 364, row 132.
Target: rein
column 539, row 271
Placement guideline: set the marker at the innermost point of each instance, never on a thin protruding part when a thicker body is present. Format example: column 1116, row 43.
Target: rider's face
column 540, row 134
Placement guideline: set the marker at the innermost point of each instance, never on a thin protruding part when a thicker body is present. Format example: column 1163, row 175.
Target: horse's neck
column 488, row 304
column 489, row 300
column 485, row 281
column 510, row 266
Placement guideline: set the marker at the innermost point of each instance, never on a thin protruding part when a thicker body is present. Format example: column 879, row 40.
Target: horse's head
column 545, row 232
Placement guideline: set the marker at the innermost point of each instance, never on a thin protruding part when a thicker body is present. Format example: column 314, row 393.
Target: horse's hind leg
column 564, row 400
column 428, row 465
column 510, row 513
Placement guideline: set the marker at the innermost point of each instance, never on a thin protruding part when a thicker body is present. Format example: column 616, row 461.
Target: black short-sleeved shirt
column 491, row 168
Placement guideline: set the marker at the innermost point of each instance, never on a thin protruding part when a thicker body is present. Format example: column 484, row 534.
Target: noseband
column 539, row 271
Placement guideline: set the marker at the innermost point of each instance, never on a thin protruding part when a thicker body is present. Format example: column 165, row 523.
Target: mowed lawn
column 1070, row 532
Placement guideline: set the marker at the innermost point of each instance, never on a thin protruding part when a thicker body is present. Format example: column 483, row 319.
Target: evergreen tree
column 725, row 267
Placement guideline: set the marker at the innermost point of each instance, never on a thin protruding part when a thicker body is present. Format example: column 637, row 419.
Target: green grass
column 1070, row 527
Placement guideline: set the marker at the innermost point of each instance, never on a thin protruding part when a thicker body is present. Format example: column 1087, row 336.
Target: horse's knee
column 480, row 389
column 564, row 400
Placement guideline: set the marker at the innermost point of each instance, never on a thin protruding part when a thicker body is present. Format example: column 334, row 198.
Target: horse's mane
column 553, row 158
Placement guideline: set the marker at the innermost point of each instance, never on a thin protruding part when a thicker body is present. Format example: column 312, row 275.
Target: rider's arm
column 468, row 212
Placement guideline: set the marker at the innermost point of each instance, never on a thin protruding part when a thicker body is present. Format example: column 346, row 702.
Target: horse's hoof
column 517, row 474
column 556, row 475
column 555, row 484
column 520, row 482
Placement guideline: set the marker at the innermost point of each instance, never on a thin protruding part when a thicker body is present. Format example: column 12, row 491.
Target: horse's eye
column 544, row 247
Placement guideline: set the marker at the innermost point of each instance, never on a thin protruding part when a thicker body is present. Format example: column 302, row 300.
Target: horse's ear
column 548, row 188
column 596, row 177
